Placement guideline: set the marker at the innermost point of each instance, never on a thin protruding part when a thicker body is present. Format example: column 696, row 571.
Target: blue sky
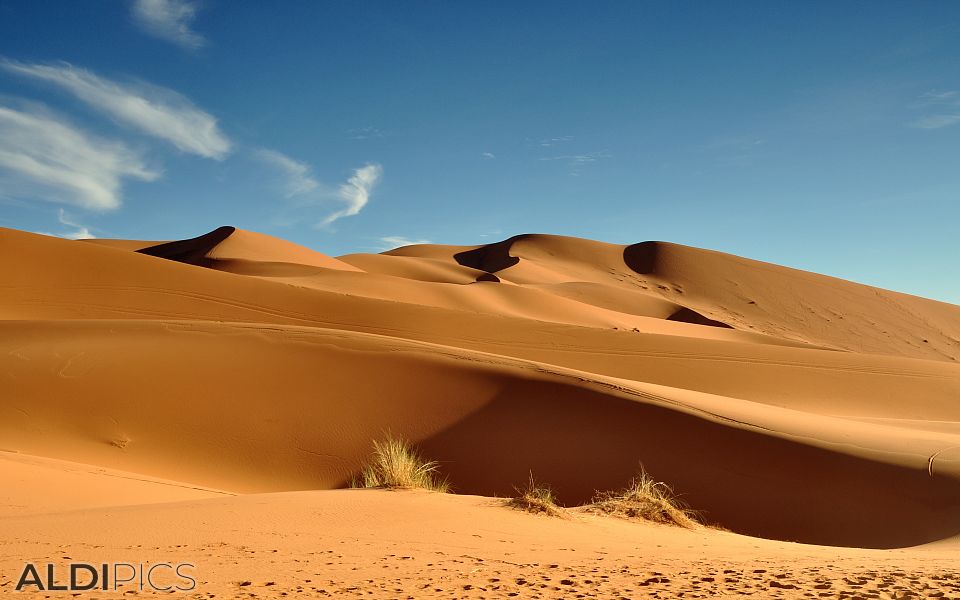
column 819, row 135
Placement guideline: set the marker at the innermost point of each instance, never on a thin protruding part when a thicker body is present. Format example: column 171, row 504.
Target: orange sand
column 177, row 400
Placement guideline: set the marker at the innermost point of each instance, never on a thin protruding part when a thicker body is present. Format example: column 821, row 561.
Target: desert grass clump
column 395, row 464
column 647, row 499
column 536, row 498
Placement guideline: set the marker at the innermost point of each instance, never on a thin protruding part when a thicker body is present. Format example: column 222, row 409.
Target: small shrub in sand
column 536, row 498
column 394, row 464
column 645, row 499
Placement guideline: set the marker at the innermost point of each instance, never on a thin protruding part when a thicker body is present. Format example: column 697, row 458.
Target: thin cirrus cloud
column 44, row 156
column 91, row 178
column 297, row 176
column 936, row 97
column 153, row 110
column 575, row 162
column 169, row 20
column 945, row 105
column 937, row 121
column 550, row 142
column 390, row 242
column 299, row 184
column 79, row 232
column 355, row 193
column 365, row 133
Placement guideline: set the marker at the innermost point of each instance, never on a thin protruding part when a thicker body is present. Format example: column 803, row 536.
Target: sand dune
column 738, row 292
column 579, row 431
column 782, row 404
column 227, row 249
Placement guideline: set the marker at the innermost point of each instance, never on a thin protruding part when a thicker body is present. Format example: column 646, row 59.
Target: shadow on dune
column 642, row 257
column 579, row 441
column 490, row 258
column 687, row 315
column 193, row 251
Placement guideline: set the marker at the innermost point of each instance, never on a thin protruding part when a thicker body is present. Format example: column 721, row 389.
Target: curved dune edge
column 739, row 292
column 241, row 407
column 782, row 404
column 35, row 485
column 226, row 246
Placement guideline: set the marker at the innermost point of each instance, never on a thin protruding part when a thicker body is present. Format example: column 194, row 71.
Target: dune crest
column 229, row 249
column 782, row 404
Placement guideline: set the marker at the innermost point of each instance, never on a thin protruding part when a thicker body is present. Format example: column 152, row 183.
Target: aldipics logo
column 80, row 577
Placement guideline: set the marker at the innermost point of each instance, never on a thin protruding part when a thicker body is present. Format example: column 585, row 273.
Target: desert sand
column 207, row 400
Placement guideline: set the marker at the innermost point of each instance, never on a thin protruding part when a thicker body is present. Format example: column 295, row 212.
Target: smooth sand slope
column 781, row 404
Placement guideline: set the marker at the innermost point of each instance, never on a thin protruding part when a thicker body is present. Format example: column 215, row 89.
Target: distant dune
column 781, row 404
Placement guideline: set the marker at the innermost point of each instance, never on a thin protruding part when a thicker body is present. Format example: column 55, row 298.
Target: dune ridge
column 782, row 404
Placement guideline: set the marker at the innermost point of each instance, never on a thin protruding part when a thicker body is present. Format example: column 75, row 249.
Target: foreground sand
column 411, row 544
column 203, row 399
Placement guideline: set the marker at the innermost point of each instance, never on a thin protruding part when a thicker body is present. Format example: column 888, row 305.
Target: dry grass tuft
column 536, row 498
column 395, row 464
column 645, row 499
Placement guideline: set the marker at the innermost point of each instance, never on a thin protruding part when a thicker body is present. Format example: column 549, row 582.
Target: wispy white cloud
column 396, row 241
column 937, row 121
column 939, row 97
column 945, row 105
column 46, row 157
column 306, row 194
column 488, row 155
column 169, row 20
column 554, row 141
column 365, row 133
column 298, row 178
column 156, row 111
column 80, row 232
column 575, row 162
column 355, row 193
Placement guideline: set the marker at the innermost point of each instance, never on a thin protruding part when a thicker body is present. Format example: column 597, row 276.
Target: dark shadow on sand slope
column 643, row 257
column 688, row 315
column 490, row 258
column 579, row 441
column 193, row 251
